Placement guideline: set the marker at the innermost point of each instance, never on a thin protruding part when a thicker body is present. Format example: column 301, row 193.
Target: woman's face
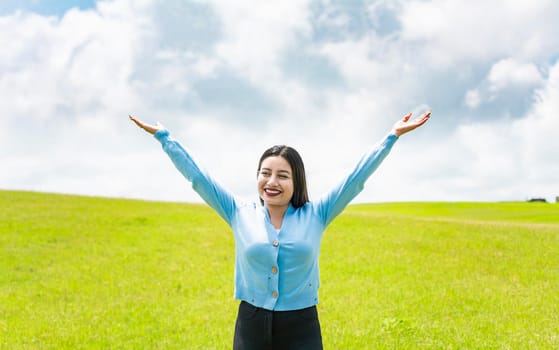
column 275, row 181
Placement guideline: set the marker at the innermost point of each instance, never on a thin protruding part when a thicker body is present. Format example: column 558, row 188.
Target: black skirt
column 261, row 329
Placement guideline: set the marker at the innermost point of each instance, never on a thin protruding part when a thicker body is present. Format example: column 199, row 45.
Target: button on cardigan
column 276, row 270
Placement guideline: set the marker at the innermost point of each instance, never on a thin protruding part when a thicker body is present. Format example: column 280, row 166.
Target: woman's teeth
column 272, row 192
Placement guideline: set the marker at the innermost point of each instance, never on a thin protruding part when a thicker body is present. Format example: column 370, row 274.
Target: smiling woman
column 277, row 241
column 44, row 7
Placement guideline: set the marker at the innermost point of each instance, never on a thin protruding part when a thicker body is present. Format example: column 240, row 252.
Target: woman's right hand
column 152, row 129
column 405, row 125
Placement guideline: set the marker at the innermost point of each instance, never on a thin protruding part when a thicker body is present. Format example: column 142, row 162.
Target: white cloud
column 537, row 132
column 69, row 67
column 358, row 68
column 504, row 159
column 255, row 33
column 508, row 81
column 472, row 98
column 64, row 86
column 215, row 74
column 453, row 32
column 509, row 72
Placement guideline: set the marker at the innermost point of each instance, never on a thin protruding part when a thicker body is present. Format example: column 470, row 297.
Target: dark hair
column 300, row 195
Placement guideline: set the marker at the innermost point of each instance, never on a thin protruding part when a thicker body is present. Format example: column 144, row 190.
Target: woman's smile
column 272, row 192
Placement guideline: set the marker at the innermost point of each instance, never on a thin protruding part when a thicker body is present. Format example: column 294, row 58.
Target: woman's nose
column 273, row 180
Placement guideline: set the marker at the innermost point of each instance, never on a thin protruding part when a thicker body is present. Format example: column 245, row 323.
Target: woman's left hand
column 405, row 125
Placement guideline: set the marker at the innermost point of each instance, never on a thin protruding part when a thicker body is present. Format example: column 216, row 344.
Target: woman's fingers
column 137, row 121
column 423, row 119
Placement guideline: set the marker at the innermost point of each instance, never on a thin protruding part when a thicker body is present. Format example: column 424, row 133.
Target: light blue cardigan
column 276, row 270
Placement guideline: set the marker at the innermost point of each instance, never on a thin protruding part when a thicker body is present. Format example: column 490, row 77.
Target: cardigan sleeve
column 333, row 202
column 211, row 192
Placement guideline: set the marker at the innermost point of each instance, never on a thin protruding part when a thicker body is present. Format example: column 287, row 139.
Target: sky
column 232, row 78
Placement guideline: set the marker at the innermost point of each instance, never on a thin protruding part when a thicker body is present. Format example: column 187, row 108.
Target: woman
column 277, row 241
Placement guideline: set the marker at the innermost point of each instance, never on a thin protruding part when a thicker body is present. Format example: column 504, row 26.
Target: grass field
column 95, row 273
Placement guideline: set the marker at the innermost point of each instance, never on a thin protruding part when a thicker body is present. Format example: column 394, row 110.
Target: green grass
column 94, row 273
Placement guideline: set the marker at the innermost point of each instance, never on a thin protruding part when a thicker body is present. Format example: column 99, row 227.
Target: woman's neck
column 276, row 214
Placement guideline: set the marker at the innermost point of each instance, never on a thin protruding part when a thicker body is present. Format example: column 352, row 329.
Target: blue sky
column 231, row 78
column 44, row 7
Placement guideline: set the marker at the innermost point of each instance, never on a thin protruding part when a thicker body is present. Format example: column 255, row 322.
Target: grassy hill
column 96, row 273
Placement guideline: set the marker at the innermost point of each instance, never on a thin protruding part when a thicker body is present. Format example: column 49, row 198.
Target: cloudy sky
column 231, row 78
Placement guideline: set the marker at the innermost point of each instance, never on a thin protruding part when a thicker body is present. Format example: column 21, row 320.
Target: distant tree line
column 542, row 200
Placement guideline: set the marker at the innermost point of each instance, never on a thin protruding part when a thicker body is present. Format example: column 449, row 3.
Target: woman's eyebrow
column 279, row 171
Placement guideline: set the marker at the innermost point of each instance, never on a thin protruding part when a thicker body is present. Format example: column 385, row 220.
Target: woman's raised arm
column 333, row 202
column 211, row 192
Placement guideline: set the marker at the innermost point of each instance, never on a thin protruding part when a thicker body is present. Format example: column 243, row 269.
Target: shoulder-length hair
column 300, row 194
